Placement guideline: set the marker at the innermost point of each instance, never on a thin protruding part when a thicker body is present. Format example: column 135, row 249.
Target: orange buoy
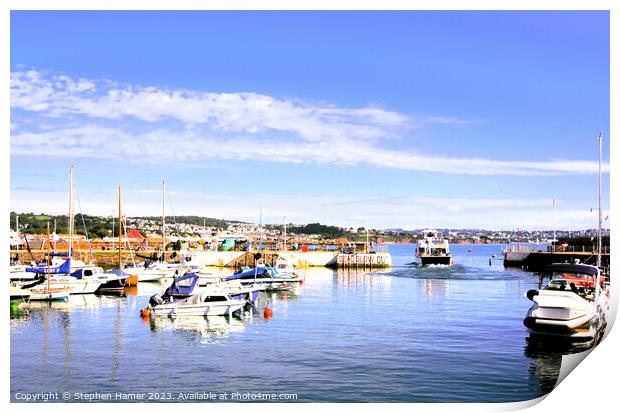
column 301, row 282
column 268, row 313
column 145, row 313
column 132, row 281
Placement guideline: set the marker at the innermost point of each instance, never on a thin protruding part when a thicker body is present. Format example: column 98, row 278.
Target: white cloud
column 232, row 126
column 155, row 146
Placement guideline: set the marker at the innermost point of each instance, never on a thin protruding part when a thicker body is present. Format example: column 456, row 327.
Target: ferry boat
column 433, row 249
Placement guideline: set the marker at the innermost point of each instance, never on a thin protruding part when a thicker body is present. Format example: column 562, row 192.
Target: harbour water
column 405, row 334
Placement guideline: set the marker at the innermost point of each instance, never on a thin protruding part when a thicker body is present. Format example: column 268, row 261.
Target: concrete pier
column 538, row 260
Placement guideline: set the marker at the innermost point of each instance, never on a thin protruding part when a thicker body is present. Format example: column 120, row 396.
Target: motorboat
column 433, row 249
column 239, row 291
column 283, row 267
column 60, row 277
column 182, row 286
column 573, row 304
column 204, row 304
column 260, row 271
column 264, row 273
column 146, row 274
column 112, row 280
column 187, row 285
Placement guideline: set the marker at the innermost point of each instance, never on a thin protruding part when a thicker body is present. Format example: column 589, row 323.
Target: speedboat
column 572, row 306
column 433, row 249
column 204, row 304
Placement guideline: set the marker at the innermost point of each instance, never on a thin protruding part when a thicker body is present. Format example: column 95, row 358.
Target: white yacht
column 572, row 306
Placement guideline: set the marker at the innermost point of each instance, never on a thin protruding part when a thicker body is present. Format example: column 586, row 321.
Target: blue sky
column 404, row 119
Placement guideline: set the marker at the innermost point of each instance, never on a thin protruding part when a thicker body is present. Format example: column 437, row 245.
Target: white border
column 591, row 387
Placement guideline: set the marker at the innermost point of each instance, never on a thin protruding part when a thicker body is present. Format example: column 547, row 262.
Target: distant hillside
column 98, row 227
column 192, row 220
column 30, row 223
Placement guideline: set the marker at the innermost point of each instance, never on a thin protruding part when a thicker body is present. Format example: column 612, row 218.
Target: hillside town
column 147, row 233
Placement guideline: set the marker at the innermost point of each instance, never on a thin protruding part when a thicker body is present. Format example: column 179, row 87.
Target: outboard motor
column 155, row 300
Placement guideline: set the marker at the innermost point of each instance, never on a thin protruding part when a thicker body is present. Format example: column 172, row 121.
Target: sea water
column 404, row 334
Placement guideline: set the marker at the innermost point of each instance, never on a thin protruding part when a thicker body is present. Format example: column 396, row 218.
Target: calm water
column 408, row 334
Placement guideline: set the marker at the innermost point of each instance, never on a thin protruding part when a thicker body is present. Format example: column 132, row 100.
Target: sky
column 471, row 119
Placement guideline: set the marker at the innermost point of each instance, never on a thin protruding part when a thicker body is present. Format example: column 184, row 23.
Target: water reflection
column 352, row 277
column 434, row 288
column 209, row 330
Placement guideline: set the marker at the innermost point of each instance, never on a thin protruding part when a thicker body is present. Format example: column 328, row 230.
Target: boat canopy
column 573, row 269
column 183, row 285
column 245, row 272
column 64, row 268
column 59, row 254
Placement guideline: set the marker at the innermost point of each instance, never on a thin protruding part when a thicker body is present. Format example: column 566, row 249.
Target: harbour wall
column 233, row 259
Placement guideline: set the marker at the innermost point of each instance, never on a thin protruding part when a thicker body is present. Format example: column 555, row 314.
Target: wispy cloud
column 232, row 126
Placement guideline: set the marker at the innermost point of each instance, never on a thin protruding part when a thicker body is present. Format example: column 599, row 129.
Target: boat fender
column 531, row 294
column 145, row 312
column 155, row 300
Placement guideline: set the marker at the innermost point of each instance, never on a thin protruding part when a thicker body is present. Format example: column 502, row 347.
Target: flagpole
column 554, row 223
column 600, row 213
column 284, row 233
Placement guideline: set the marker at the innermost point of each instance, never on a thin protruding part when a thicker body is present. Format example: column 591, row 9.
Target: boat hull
column 435, row 260
column 199, row 309
column 49, row 295
column 563, row 314
column 114, row 284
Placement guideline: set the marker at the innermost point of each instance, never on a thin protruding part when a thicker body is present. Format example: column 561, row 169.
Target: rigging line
column 90, row 250
column 127, row 241
column 174, row 220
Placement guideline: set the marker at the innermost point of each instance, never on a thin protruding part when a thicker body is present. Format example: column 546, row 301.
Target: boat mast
column 555, row 202
column 600, row 212
column 17, row 231
column 163, row 220
column 284, row 233
column 55, row 234
column 49, row 258
column 120, row 223
column 367, row 238
column 70, row 212
column 113, row 214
